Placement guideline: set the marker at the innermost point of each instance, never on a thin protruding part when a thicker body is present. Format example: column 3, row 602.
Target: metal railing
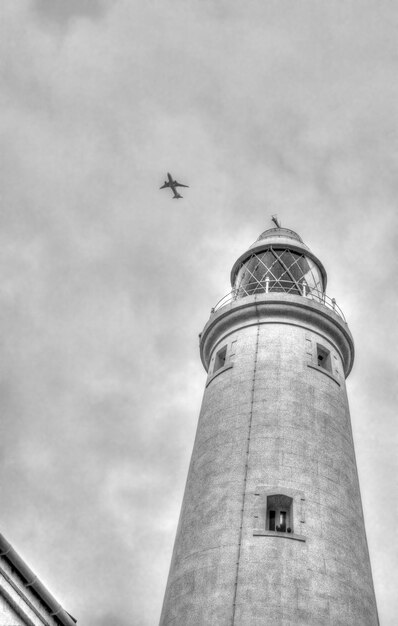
column 270, row 285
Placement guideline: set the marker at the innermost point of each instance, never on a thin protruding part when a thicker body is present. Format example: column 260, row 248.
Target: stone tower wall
column 272, row 422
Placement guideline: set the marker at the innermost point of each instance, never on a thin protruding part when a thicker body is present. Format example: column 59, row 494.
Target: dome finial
column 274, row 218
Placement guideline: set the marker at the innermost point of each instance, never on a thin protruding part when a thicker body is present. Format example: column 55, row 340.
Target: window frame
column 220, row 359
column 313, row 349
column 323, row 358
column 265, row 498
column 215, row 369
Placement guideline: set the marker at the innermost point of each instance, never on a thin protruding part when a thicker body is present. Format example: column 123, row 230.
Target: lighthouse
column 271, row 530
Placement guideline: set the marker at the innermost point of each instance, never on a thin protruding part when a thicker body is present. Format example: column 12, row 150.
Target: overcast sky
column 261, row 107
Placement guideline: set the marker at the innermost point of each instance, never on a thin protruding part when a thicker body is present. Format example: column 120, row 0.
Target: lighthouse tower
column 271, row 530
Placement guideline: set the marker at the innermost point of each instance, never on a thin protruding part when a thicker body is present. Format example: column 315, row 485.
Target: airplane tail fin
column 177, row 197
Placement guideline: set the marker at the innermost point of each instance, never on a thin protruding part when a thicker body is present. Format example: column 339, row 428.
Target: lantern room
column 279, row 261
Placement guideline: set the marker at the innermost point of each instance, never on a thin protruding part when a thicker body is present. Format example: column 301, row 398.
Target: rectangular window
column 323, row 358
column 279, row 513
column 220, row 359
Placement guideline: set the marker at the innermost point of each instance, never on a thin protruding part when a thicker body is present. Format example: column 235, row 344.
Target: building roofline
column 33, row 582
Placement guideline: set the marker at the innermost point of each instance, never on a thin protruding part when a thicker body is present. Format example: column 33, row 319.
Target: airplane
column 173, row 184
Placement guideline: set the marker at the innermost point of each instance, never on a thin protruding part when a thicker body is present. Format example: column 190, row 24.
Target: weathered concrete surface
column 273, row 421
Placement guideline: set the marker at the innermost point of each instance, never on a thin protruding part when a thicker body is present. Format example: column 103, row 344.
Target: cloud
column 62, row 12
column 105, row 282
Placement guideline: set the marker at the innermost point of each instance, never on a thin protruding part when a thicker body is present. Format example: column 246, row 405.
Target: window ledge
column 274, row 533
column 219, row 371
column 323, row 371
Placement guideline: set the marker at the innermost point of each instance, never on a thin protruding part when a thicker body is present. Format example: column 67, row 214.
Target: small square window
column 323, row 358
column 220, row 359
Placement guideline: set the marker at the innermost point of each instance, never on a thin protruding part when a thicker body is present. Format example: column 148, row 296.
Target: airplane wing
column 179, row 184
column 164, row 186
